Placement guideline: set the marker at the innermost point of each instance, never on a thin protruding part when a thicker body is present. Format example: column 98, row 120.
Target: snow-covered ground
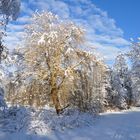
column 108, row 126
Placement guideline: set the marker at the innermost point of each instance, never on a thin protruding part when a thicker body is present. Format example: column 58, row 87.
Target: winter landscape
column 69, row 70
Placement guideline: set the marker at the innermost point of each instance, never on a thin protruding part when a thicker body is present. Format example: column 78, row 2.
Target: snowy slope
column 108, row 126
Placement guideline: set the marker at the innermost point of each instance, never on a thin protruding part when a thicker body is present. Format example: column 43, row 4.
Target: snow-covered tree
column 89, row 93
column 134, row 56
column 49, row 44
column 120, row 82
column 9, row 9
column 54, row 68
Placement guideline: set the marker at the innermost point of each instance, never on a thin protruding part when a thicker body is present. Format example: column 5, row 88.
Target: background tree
column 134, row 56
column 89, row 93
column 9, row 9
column 120, row 82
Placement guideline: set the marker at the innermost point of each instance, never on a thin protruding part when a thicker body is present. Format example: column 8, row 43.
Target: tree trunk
column 56, row 102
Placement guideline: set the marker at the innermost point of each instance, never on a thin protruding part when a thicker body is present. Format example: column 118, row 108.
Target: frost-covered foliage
column 134, row 56
column 3, row 73
column 2, row 101
column 120, row 83
column 9, row 8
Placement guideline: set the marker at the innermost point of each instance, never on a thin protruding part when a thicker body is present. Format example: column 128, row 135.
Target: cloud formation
column 101, row 30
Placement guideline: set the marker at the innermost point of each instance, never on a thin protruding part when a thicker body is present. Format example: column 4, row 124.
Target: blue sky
column 125, row 13
column 108, row 23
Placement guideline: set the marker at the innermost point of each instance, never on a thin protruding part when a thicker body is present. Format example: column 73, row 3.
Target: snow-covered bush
column 33, row 121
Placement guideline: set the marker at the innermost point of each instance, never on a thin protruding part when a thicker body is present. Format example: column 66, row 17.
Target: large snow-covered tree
column 49, row 43
column 55, row 70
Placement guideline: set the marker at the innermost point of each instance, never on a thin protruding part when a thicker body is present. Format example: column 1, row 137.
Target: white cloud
column 102, row 31
column 15, row 32
column 110, row 40
column 13, row 39
column 13, row 27
column 23, row 19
